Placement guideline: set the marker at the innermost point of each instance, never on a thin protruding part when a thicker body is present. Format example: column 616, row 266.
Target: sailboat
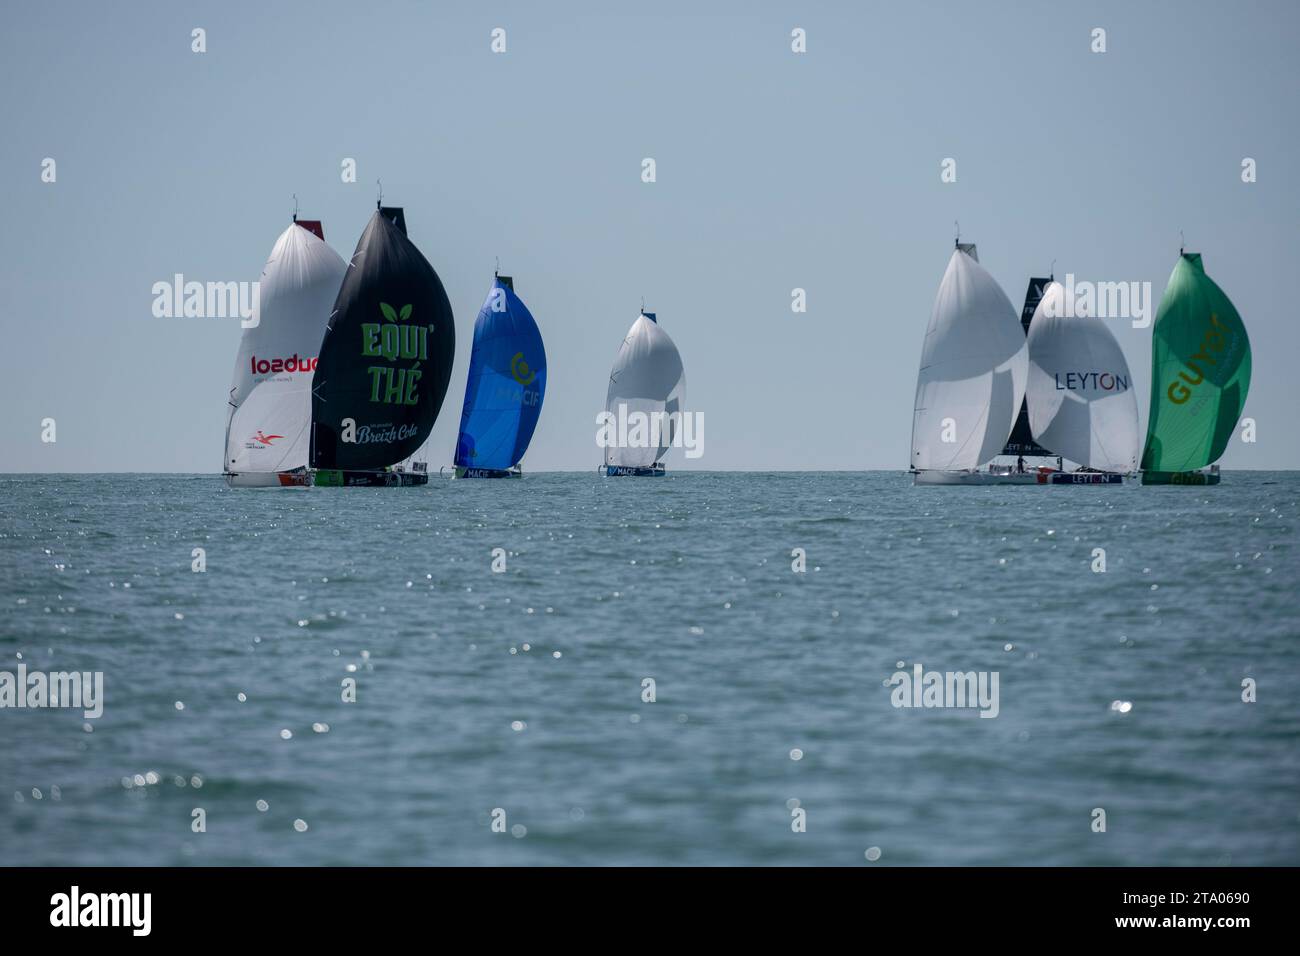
column 971, row 383
column 268, row 423
column 507, row 380
column 1021, row 444
column 1200, row 373
column 1078, row 397
column 643, row 405
column 385, row 362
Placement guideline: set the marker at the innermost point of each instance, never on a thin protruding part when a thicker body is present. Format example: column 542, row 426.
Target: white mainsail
column 1081, row 403
column 647, row 380
column 973, row 369
column 268, row 426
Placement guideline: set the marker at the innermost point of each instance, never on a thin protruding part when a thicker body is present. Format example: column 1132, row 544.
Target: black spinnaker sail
column 1022, row 441
column 386, row 358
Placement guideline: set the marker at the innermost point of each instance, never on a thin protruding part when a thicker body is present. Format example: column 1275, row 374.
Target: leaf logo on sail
column 388, row 385
column 520, row 370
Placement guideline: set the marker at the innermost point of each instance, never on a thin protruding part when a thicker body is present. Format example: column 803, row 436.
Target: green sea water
column 517, row 696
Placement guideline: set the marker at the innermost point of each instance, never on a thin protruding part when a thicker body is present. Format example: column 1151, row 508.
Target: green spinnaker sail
column 1200, row 372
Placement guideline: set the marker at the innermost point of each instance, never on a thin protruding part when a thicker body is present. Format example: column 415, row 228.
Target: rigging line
column 982, row 418
column 1096, row 436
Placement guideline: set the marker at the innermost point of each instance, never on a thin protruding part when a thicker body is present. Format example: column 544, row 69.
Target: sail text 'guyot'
column 1217, row 337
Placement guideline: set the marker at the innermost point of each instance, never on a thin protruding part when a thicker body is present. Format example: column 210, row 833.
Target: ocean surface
column 515, row 697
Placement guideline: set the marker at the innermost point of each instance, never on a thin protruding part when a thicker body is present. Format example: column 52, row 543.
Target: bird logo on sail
column 520, row 370
column 263, row 440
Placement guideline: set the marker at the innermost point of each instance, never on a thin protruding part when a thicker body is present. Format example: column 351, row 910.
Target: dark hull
column 334, row 478
column 1086, row 478
column 489, row 472
column 1180, row 477
column 621, row 471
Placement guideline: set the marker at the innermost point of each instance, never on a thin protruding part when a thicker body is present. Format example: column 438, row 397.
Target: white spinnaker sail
column 647, row 378
column 280, row 440
column 1081, row 402
column 270, row 394
column 973, row 369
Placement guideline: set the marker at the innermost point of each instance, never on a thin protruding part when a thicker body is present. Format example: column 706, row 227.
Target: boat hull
column 335, row 478
column 977, row 478
column 1017, row 478
column 269, row 479
column 1180, row 477
column 515, row 472
column 1086, row 478
column 622, row 471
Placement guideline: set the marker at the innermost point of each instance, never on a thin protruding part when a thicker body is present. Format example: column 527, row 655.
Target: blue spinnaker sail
column 507, row 378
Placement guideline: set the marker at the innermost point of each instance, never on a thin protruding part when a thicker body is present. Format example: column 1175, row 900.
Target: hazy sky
column 775, row 171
